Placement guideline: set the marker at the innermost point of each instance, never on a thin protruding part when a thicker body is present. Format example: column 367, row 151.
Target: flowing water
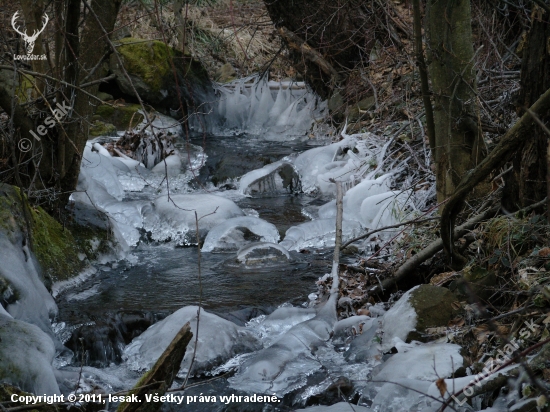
column 291, row 352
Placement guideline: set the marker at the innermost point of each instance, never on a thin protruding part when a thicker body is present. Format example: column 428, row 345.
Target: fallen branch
column 159, row 379
column 495, row 160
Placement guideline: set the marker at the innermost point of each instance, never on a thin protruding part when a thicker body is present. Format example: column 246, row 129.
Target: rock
column 422, row 307
column 350, row 250
column 359, row 111
column 336, row 103
column 99, row 128
column 26, row 355
column 218, row 341
column 475, row 281
column 433, row 306
column 101, row 343
column 149, row 66
column 427, row 362
column 123, row 116
column 225, row 74
column 104, row 96
column 53, row 245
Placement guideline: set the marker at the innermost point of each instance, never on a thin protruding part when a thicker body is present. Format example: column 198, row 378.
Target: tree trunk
column 527, row 183
column 458, row 140
column 78, row 54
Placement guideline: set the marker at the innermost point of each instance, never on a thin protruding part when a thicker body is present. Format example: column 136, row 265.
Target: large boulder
column 149, row 66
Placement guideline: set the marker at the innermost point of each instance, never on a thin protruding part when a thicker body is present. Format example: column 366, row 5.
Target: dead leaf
column 544, row 252
column 442, row 386
column 457, row 322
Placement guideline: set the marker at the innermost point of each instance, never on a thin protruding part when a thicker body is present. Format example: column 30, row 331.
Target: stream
column 261, row 184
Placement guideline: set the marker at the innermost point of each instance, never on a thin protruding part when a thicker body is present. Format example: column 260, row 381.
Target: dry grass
column 236, row 32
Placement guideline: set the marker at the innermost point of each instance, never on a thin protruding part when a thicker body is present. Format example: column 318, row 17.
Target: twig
column 372, row 232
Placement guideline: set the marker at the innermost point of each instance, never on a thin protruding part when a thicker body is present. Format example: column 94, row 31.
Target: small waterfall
column 260, row 107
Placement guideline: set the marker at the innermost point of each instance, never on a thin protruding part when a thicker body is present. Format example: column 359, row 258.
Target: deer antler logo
column 29, row 40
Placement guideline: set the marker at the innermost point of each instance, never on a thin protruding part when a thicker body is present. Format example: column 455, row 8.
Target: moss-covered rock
column 150, row 65
column 226, row 73
column 433, row 306
column 99, row 128
column 122, row 116
column 60, row 254
column 476, row 283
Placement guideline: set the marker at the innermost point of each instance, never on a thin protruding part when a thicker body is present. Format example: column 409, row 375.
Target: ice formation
column 228, row 235
column 270, row 110
column 171, row 166
column 26, row 355
column 427, row 362
column 174, row 217
column 399, row 321
column 284, row 365
column 275, row 178
column 218, row 341
column 34, row 303
column 262, row 253
column 318, row 233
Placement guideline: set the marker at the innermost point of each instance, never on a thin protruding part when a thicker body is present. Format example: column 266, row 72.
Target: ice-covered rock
column 229, row 234
column 316, row 166
column 427, row 362
column 285, row 365
column 318, row 234
column 275, row 178
column 271, row 327
column 352, row 326
column 421, row 307
column 171, row 165
column 174, row 217
column 400, row 395
column 384, row 209
column 355, row 196
column 26, row 355
column 262, row 253
column 100, row 169
column 33, row 303
column 218, row 341
column 399, row 321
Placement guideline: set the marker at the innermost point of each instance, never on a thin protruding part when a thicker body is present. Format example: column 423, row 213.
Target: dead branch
column 429, row 251
column 296, row 43
column 159, row 379
column 495, row 160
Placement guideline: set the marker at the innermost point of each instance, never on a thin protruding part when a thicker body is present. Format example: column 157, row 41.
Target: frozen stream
column 263, row 189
